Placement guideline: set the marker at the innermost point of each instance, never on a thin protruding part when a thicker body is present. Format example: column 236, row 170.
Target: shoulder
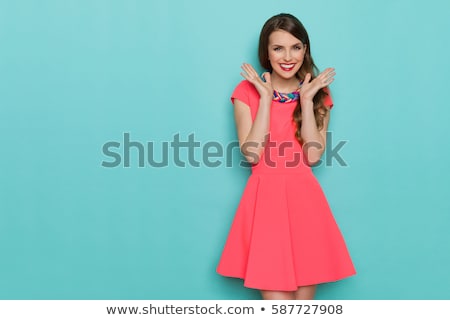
column 246, row 85
column 245, row 91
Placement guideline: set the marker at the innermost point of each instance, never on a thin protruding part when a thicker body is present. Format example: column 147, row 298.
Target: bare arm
column 314, row 140
column 252, row 134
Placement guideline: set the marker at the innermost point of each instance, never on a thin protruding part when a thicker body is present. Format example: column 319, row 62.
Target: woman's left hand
column 309, row 88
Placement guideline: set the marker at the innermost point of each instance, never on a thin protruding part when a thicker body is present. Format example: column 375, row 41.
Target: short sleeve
column 246, row 92
column 243, row 92
column 328, row 101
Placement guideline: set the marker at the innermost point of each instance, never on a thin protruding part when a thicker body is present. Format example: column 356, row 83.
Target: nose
column 287, row 55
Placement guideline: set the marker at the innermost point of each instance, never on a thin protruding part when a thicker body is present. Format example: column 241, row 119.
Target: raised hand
column 265, row 89
column 309, row 88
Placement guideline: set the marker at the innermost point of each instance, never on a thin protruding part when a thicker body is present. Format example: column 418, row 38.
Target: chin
column 287, row 76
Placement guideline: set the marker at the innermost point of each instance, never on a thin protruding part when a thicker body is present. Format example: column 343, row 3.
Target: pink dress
column 283, row 234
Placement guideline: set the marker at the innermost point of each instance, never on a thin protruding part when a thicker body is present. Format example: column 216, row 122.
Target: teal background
column 75, row 75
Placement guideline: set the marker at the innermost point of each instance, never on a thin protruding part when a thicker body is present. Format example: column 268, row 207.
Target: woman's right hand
column 264, row 89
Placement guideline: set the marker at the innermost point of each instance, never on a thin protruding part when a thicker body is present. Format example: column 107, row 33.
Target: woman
column 284, row 239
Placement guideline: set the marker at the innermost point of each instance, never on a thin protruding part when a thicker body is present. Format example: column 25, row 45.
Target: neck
column 284, row 85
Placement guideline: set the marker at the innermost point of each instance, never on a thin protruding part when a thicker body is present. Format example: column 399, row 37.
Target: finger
column 326, row 72
column 326, row 76
column 307, row 78
column 324, row 82
column 266, row 77
column 251, row 77
column 331, row 74
column 245, row 75
column 249, row 69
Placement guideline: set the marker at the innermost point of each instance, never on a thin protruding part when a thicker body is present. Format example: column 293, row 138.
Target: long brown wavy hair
column 291, row 24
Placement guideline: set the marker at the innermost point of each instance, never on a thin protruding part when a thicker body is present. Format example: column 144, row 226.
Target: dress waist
column 278, row 169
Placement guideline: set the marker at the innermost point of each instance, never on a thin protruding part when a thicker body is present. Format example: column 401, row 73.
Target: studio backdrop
column 120, row 172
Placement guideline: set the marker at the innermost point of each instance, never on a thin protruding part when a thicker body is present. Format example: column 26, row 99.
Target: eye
column 298, row 48
column 277, row 49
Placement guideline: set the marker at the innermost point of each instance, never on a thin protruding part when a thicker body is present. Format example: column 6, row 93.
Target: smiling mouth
column 287, row 67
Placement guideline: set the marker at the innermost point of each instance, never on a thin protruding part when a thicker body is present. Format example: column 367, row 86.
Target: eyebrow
column 279, row 45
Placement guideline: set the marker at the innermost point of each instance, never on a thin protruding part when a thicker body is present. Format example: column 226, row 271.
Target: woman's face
column 286, row 53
